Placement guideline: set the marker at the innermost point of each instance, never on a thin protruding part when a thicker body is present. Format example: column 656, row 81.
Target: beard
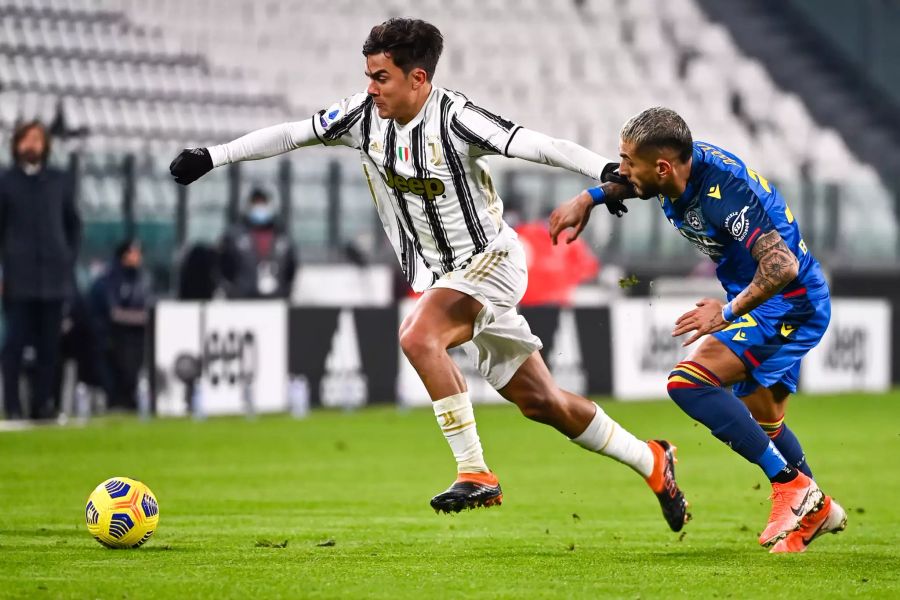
column 31, row 157
column 645, row 193
column 647, row 190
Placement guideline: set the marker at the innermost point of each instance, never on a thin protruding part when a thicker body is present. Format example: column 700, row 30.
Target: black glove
column 610, row 174
column 191, row 165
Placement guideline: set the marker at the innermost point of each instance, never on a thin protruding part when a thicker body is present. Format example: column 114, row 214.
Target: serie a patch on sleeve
column 330, row 116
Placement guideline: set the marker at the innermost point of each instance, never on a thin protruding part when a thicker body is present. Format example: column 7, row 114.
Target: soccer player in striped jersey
column 778, row 309
column 424, row 152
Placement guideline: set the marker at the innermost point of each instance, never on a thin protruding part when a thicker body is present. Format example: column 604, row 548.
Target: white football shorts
column 497, row 278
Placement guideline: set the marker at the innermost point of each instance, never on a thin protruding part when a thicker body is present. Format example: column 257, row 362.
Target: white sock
column 607, row 437
column 457, row 421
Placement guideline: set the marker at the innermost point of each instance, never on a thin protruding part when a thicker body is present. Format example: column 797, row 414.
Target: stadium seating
column 117, row 75
column 115, row 80
column 149, row 76
column 576, row 68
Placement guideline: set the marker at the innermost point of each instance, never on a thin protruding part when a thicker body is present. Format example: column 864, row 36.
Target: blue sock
column 788, row 444
column 700, row 394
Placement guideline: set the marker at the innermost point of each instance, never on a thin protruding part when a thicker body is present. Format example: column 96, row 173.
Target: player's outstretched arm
column 193, row 163
column 776, row 267
column 487, row 133
column 576, row 212
column 540, row 148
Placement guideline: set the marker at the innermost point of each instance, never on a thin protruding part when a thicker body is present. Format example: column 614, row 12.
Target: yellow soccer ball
column 121, row 513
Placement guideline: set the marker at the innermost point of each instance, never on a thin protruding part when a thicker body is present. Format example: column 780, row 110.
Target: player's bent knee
column 416, row 343
column 689, row 375
column 404, row 327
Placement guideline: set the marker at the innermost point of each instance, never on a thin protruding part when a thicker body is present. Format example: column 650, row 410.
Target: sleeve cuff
column 597, row 195
column 218, row 155
column 509, row 141
column 728, row 313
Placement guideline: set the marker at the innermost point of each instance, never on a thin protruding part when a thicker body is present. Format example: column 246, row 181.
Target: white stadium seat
column 209, row 69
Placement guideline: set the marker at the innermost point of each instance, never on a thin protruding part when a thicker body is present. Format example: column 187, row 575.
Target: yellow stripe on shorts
column 470, row 272
column 484, row 269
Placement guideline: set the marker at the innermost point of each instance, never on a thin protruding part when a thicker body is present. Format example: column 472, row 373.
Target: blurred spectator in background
column 258, row 257
column 120, row 302
column 81, row 345
column 40, row 232
column 198, row 273
column 554, row 271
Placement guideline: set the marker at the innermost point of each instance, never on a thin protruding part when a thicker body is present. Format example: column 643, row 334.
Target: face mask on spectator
column 260, row 214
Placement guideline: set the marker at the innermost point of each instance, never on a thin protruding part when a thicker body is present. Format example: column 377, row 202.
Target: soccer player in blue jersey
column 777, row 308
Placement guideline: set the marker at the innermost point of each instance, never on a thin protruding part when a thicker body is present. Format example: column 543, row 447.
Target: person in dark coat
column 198, row 273
column 258, row 257
column 120, row 302
column 40, row 232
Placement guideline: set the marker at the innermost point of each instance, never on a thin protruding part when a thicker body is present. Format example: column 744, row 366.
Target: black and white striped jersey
column 429, row 178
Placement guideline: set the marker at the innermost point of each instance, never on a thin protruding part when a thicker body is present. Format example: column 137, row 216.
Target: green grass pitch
column 349, row 493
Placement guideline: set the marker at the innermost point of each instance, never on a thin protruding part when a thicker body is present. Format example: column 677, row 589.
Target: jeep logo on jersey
column 428, row 189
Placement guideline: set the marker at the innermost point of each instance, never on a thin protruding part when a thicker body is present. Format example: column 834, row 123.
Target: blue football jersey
column 723, row 211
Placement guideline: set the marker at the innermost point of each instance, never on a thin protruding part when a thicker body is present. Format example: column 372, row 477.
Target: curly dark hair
column 410, row 43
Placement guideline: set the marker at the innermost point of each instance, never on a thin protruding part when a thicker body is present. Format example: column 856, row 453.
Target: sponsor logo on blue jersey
column 737, row 224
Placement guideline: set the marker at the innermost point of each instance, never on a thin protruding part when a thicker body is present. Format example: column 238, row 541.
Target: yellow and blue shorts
column 773, row 338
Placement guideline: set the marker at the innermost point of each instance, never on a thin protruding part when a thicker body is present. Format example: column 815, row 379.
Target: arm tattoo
column 617, row 191
column 777, row 264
